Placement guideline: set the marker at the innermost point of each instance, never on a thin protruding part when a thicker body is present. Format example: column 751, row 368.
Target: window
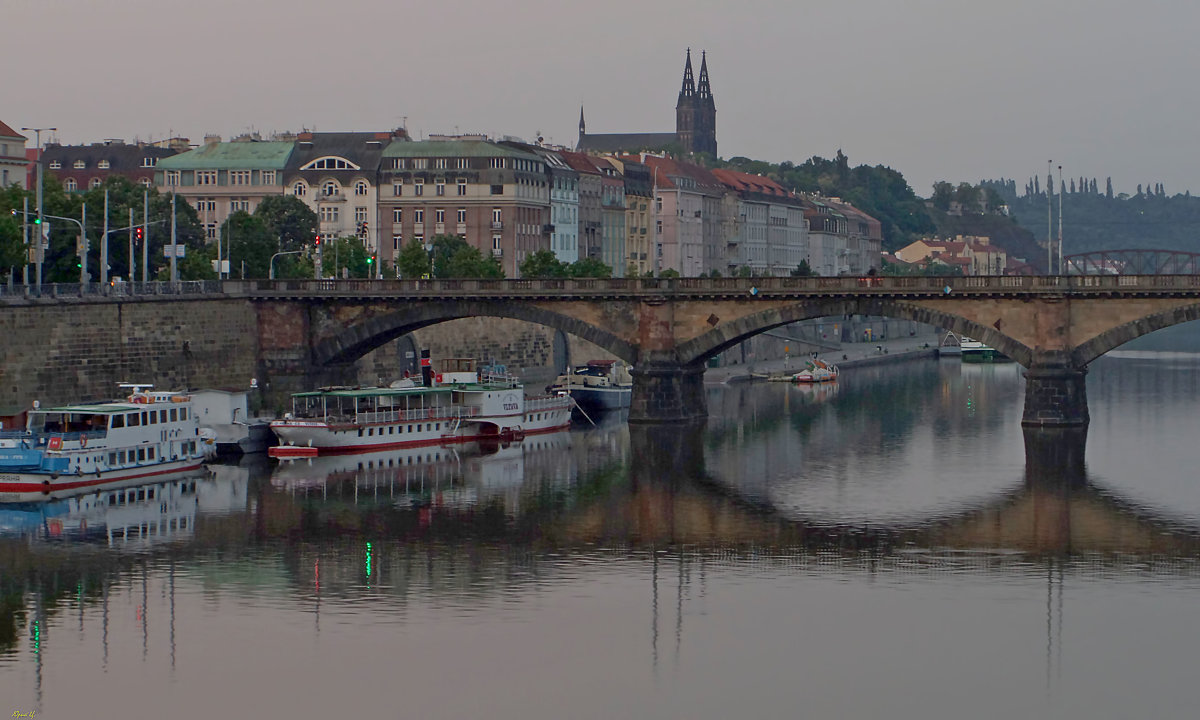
column 496, row 163
column 79, row 164
column 397, row 216
column 419, row 239
column 440, row 187
column 400, row 163
column 462, row 186
column 71, row 185
column 330, row 163
column 464, row 163
column 497, row 215
column 462, row 215
column 397, row 240
column 398, row 188
column 360, row 188
column 330, row 188
column 172, row 178
column 117, row 421
column 206, row 206
column 266, row 177
column 239, row 205
column 440, row 163
column 420, row 163
column 360, row 214
column 210, row 230
column 55, row 165
column 496, row 242
column 439, row 216
column 95, row 183
column 329, row 214
column 133, row 420
column 239, row 177
column 206, row 177
column 183, row 413
column 149, row 162
column 418, row 186
column 103, row 165
column 497, row 189
column 174, row 415
column 419, row 217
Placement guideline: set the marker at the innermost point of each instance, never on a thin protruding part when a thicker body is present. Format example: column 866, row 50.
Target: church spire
column 704, row 90
column 582, row 127
column 689, row 85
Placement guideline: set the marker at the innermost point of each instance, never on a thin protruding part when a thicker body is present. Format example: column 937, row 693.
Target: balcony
column 497, row 252
column 497, row 225
column 461, row 228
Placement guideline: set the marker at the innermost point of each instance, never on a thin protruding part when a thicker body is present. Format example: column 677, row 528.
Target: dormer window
column 103, row 165
column 79, row 164
column 55, row 165
column 330, row 188
column 330, row 162
column 149, row 162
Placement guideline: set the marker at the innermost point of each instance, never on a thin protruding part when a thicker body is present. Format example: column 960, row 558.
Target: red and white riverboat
column 64, row 451
column 462, row 403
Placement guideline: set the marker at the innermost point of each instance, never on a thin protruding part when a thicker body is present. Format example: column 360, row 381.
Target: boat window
column 410, row 428
column 112, row 458
column 153, row 419
column 133, row 419
column 141, row 494
column 150, row 493
column 162, row 416
column 112, row 499
column 141, row 454
column 144, row 420
column 150, row 453
column 117, row 421
column 174, row 415
column 360, row 432
column 183, row 413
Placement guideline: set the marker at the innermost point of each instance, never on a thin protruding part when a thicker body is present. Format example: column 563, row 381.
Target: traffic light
column 138, row 234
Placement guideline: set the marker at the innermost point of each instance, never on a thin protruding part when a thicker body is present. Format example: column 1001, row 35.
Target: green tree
column 744, row 271
column 589, row 268
column 289, row 219
column 468, row 262
column 668, row 273
column 250, row 243
column 543, row 264
column 803, row 270
column 12, row 245
column 346, row 257
column 413, row 261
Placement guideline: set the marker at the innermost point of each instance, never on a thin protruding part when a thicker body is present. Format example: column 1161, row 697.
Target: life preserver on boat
column 54, row 443
column 83, row 441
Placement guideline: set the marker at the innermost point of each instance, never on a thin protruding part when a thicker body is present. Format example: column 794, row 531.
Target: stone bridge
column 300, row 333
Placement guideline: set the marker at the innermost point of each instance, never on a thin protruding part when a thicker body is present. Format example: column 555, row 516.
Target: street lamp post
column 38, row 153
column 271, row 265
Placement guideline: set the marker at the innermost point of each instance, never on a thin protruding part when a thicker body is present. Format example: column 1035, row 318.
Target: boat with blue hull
column 64, row 451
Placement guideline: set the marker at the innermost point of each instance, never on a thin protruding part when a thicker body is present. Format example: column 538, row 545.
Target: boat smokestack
column 426, row 369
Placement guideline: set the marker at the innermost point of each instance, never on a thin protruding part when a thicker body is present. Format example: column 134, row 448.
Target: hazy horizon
column 936, row 90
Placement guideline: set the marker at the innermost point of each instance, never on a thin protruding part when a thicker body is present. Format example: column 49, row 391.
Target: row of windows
column 330, row 188
column 147, row 162
column 495, row 163
column 148, row 417
column 212, row 177
column 71, row 185
column 439, row 215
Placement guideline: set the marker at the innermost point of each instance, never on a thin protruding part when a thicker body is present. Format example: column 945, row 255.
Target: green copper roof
column 451, row 148
column 231, row 156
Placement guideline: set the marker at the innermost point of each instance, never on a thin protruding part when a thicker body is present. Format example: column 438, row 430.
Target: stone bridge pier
column 1055, row 392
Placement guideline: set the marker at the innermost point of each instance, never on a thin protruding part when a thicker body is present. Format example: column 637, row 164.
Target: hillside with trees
column 1096, row 218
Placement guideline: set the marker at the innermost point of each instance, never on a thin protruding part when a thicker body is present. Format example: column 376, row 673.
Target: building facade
column 494, row 197
column 770, row 235
column 221, row 178
column 13, row 163
column 83, row 167
column 336, row 174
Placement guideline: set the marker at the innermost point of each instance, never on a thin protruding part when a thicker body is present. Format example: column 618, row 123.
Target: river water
column 892, row 546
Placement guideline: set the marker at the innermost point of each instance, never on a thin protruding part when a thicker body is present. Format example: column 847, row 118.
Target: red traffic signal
column 138, row 233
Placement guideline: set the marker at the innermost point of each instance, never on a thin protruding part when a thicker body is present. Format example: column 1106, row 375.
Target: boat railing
column 416, row 414
column 548, row 402
column 44, row 437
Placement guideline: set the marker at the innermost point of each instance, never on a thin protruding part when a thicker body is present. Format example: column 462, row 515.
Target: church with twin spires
column 695, row 123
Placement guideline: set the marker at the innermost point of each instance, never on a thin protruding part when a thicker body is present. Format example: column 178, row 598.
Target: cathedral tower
column 696, row 111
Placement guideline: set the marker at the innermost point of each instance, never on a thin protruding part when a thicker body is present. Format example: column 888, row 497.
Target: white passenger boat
column 67, row 450
column 460, row 404
column 975, row 351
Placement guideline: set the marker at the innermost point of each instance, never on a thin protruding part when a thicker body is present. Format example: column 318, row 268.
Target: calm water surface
column 895, row 546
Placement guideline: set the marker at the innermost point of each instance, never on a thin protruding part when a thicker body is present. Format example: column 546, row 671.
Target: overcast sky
column 937, row 89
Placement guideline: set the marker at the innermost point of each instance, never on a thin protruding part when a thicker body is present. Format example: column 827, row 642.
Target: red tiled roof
column 750, row 183
column 6, row 131
column 579, row 162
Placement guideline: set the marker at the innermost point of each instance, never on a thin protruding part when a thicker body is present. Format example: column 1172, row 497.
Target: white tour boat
column 459, row 404
column 598, row 386
column 64, row 451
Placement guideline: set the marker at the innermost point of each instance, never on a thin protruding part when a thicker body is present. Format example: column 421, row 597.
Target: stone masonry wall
column 67, row 353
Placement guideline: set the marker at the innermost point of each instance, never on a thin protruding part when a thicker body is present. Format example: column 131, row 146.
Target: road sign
column 178, row 250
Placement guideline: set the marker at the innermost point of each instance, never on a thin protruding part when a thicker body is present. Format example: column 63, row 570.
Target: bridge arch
column 725, row 336
column 356, row 340
column 1115, row 337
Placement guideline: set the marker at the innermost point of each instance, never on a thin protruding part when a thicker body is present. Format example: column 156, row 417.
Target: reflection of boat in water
column 816, row 371
column 67, row 450
column 460, row 404
column 599, row 385
column 950, row 345
column 975, row 351
column 455, row 475
column 817, row 392
column 133, row 516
